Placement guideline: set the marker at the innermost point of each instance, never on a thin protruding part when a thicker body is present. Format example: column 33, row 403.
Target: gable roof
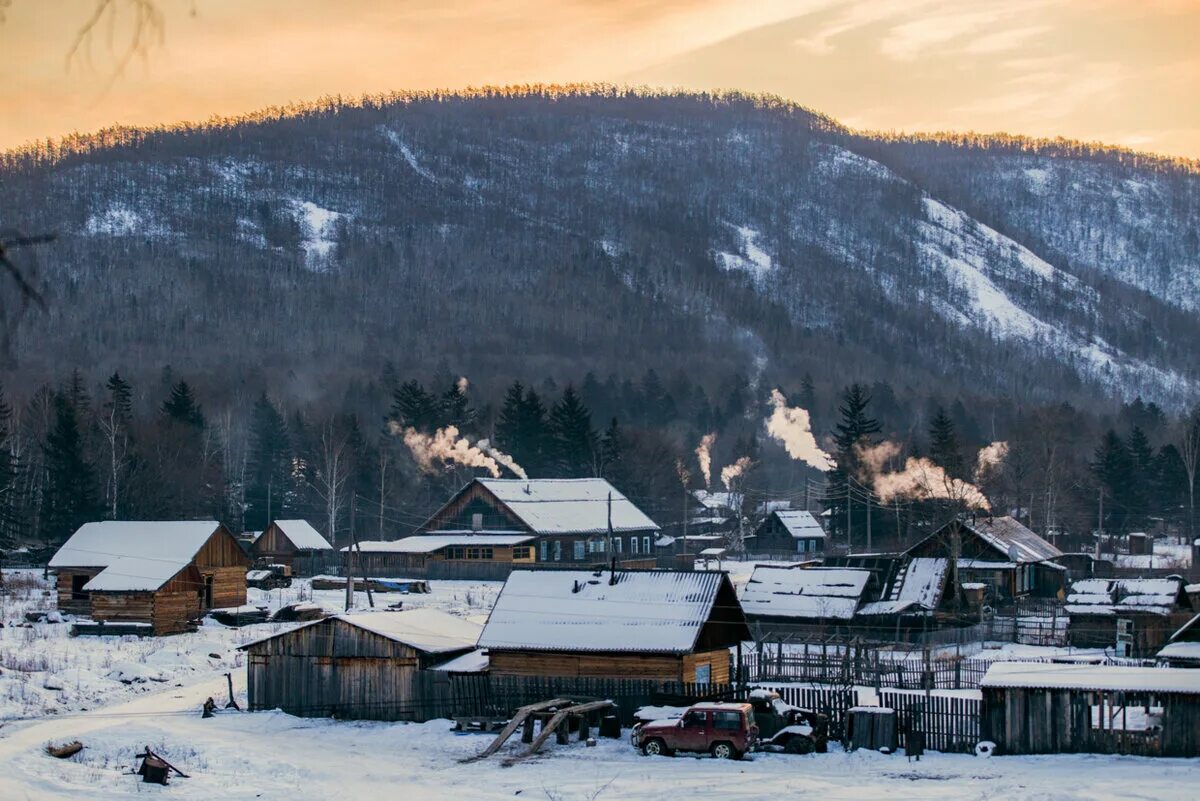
column 567, row 505
column 814, row 592
column 303, row 535
column 579, row 610
column 1012, row 540
column 921, row 581
column 1091, row 677
column 1156, row 596
column 429, row 630
column 799, row 523
column 428, row 543
column 136, row 555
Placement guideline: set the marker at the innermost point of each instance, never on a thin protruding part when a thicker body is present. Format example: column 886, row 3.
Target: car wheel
column 798, row 745
column 655, row 747
column 725, row 751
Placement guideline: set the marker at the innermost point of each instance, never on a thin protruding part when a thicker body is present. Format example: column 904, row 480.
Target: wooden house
column 569, row 519
column 1183, row 649
column 790, row 532
column 296, row 544
column 423, row 555
column 1038, row 708
column 162, row 574
column 664, row 626
column 1001, row 553
column 1145, row 612
column 360, row 665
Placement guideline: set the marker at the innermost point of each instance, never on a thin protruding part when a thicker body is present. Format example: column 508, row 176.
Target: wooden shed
column 294, row 543
column 360, row 665
column 667, row 626
column 164, row 574
column 1037, row 708
column 1146, row 611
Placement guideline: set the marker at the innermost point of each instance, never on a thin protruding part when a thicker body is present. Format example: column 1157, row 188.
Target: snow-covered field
column 275, row 756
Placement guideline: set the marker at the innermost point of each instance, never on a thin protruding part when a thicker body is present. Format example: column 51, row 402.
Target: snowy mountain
column 552, row 234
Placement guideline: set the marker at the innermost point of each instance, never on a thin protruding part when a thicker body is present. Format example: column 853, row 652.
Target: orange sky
column 1125, row 72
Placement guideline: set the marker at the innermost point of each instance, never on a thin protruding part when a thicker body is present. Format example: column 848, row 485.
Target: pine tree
column 808, row 394
column 69, row 498
column 269, row 473
column 611, row 448
column 455, row 409
column 1112, row 467
column 181, row 406
column 944, row 448
column 413, row 407
column 1141, row 476
column 574, row 443
column 855, row 430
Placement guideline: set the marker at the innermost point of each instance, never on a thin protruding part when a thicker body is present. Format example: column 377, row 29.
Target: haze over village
column 599, row 400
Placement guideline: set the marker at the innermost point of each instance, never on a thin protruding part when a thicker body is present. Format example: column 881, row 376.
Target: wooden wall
column 334, row 668
column 224, row 560
column 63, row 581
column 662, row 667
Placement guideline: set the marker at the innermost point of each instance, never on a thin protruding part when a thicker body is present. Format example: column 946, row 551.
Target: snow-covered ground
column 271, row 755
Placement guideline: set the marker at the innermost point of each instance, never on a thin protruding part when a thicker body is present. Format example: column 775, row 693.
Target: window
column 727, row 720
column 77, row 584
column 800, row 545
column 544, row 548
column 456, row 553
column 695, row 720
column 616, row 545
column 704, row 674
column 646, row 545
column 558, row 550
column 477, row 521
column 521, row 552
column 579, row 550
column 479, row 553
column 633, row 545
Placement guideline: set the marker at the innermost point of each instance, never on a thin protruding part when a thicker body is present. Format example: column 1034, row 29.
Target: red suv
column 727, row 731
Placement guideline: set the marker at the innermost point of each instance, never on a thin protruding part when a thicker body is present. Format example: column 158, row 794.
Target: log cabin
column 568, row 518
column 423, row 555
column 1042, row 708
column 163, row 574
column 664, row 626
column 793, row 533
column 360, row 665
column 294, row 543
column 1000, row 552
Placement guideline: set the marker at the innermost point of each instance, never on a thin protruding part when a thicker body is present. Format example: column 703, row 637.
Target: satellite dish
column 1013, row 553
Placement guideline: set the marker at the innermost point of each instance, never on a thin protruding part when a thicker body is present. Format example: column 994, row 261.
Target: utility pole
column 1100, row 524
column 685, row 519
column 358, row 550
column 868, row 521
column 612, row 556
column 849, row 549
column 806, row 506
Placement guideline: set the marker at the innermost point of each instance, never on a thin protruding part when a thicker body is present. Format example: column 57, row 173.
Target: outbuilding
column 1183, row 649
column 1038, row 708
column 1001, row 553
column 1136, row 616
column 790, row 532
column 161, row 574
column 661, row 625
column 296, row 544
column 360, row 665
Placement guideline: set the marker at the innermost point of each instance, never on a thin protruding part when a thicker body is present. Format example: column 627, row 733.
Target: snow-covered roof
column 1186, row 628
column 816, row 592
column 1012, row 539
column 714, row 500
column 1039, row 675
column 1180, row 650
column 303, row 535
column 799, row 523
column 567, row 505
column 887, row 607
column 428, row 543
column 1111, row 596
column 137, row 556
column 713, row 551
column 579, row 610
column 921, row 581
column 133, row 574
column 429, row 630
column 471, row 662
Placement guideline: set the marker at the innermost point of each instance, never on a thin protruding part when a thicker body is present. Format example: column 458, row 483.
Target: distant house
column 360, row 665
column 1183, row 649
column 1146, row 612
column 1038, row 708
column 569, row 519
column 879, row 599
column 163, row 574
column 790, row 532
column 624, row 624
column 1002, row 553
column 294, row 543
column 421, row 555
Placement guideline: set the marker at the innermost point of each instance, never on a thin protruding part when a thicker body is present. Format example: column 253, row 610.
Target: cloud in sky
column 1092, row 69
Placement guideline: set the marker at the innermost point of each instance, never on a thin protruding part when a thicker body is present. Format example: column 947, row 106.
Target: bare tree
column 332, row 473
column 1189, row 450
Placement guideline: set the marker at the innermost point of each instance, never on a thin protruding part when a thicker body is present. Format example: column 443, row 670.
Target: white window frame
column 544, row 551
column 646, row 549
column 579, row 550
column 633, row 546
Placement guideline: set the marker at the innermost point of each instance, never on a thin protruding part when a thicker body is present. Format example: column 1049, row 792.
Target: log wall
column 662, row 667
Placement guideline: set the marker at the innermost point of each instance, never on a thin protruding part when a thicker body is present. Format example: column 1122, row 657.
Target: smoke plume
column 732, row 472
column 791, row 427
column 445, row 444
column 990, row 458
column 462, row 383
column 920, row 479
column 704, row 456
column 501, row 457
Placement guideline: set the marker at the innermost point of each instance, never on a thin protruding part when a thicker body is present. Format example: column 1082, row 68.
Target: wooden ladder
column 514, row 724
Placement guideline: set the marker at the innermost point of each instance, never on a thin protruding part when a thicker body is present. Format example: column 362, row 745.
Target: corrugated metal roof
column 428, row 630
column 1012, row 539
column 577, row 610
column 799, row 523
column 1039, row 675
column 817, row 592
column 568, row 505
column 428, row 543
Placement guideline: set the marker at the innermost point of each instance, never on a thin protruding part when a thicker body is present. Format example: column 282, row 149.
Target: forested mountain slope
column 553, row 233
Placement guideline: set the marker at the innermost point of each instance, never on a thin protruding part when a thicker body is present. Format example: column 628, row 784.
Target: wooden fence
column 949, row 724
column 864, row 667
